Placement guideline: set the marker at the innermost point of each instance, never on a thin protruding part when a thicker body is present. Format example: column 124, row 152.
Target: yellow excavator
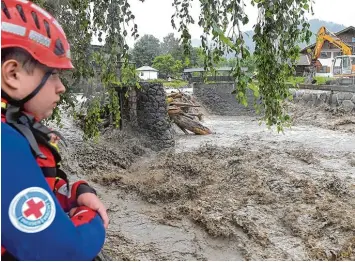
column 343, row 66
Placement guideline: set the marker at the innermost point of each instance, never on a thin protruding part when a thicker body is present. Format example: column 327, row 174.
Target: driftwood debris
column 183, row 112
column 183, row 104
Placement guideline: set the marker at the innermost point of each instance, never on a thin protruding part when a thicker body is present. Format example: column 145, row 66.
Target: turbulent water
column 244, row 192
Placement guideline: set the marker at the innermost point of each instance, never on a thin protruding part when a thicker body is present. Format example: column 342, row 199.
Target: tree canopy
column 167, row 65
column 281, row 25
column 171, row 45
column 145, row 50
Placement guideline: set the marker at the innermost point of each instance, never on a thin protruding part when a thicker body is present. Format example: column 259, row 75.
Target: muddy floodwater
column 242, row 193
column 229, row 130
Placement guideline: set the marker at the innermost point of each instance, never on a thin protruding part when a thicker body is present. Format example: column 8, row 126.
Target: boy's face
column 43, row 103
column 18, row 84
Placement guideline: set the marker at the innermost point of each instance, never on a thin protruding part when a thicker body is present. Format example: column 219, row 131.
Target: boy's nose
column 60, row 88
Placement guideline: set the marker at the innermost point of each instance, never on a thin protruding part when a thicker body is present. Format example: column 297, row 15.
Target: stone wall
column 145, row 110
column 314, row 98
column 218, row 99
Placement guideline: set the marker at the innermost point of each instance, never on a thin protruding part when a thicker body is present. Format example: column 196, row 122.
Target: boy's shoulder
column 11, row 137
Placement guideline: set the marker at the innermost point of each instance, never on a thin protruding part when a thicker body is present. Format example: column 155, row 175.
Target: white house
column 147, row 73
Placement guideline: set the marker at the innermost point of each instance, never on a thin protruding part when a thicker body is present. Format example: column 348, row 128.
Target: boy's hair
column 22, row 56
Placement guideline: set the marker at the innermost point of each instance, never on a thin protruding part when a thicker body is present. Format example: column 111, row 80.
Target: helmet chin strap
column 20, row 103
column 38, row 88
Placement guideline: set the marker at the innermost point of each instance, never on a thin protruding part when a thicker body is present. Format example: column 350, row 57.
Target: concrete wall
column 146, row 111
column 218, row 99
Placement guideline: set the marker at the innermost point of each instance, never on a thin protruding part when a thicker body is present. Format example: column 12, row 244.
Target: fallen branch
column 187, row 115
column 175, row 95
column 183, row 104
column 199, row 116
column 183, row 129
column 174, row 111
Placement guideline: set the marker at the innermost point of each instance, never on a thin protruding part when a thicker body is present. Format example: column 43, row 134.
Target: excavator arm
column 322, row 36
column 325, row 35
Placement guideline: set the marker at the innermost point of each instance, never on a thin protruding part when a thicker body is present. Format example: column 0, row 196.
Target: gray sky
column 153, row 16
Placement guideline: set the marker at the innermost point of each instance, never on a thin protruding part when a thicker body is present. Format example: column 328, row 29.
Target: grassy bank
column 171, row 84
column 301, row 80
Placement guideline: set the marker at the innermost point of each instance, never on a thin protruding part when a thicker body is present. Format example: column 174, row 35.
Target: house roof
column 338, row 33
column 346, row 29
column 146, row 68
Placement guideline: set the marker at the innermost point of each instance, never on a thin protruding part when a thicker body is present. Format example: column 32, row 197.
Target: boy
column 35, row 194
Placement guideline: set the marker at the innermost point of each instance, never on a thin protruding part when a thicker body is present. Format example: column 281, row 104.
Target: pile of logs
column 183, row 112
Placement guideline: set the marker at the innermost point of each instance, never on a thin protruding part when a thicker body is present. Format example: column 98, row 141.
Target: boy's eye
column 55, row 74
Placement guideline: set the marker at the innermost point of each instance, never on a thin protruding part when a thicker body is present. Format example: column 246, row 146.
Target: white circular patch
column 32, row 210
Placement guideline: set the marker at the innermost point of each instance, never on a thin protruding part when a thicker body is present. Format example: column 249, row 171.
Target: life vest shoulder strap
column 35, row 132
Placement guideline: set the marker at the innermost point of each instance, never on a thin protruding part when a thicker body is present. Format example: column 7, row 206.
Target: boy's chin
column 47, row 115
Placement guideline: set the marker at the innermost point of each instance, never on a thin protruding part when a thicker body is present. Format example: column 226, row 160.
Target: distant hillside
column 315, row 24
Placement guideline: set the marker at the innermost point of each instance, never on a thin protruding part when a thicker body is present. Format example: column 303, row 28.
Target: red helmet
column 26, row 25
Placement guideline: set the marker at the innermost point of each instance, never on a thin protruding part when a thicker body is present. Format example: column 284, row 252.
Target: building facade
column 147, row 73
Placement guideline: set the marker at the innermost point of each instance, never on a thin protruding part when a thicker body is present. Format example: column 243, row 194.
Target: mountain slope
column 315, row 24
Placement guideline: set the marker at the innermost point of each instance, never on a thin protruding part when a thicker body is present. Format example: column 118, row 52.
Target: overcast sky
column 153, row 16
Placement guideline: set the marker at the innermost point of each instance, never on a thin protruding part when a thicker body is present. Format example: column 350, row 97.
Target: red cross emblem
column 34, row 208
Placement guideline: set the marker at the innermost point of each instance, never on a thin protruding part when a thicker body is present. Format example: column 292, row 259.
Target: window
column 337, row 62
column 337, row 54
column 346, row 62
column 353, row 39
column 323, row 69
column 325, row 55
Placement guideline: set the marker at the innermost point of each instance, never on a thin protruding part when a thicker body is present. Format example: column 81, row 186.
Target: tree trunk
column 186, row 123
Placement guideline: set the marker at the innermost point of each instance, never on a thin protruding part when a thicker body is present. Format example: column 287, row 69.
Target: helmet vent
column 59, row 49
column 35, row 19
column 48, row 30
column 22, row 14
column 5, row 10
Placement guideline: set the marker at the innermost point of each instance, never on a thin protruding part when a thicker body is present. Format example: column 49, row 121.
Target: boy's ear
column 11, row 71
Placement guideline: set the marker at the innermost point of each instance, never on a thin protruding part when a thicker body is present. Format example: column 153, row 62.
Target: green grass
column 300, row 80
column 156, row 80
column 295, row 80
column 171, row 84
column 175, row 84
column 323, row 80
